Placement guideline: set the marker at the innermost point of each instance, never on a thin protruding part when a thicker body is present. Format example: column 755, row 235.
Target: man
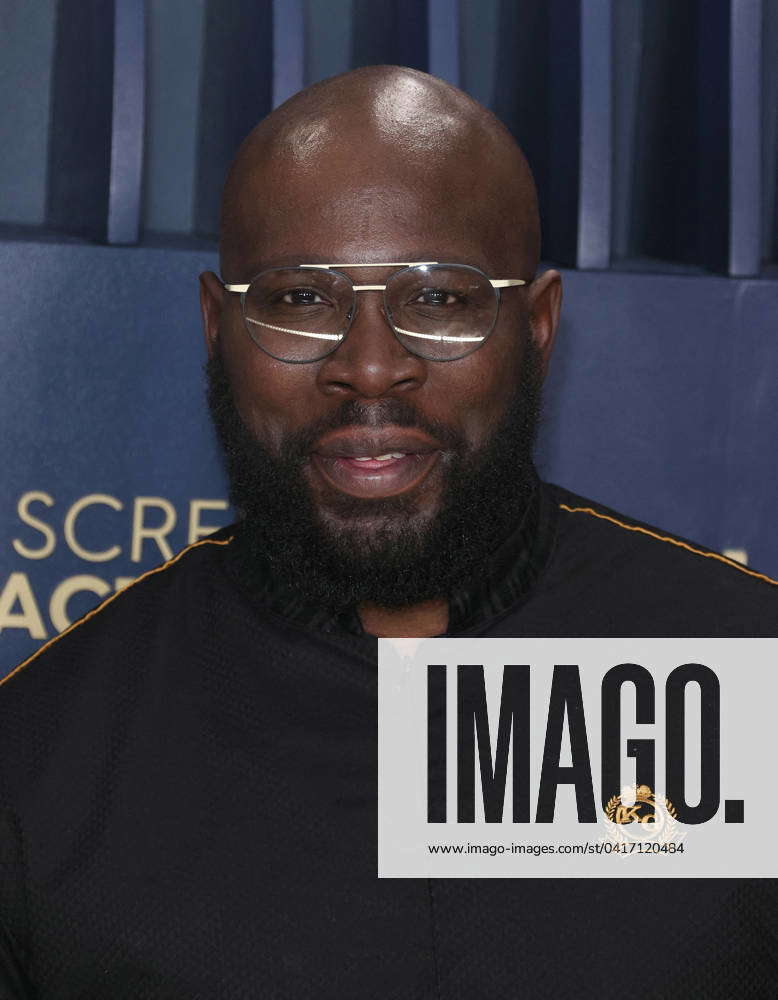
column 188, row 775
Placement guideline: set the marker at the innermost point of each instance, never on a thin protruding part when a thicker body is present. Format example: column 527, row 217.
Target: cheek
column 270, row 395
column 478, row 389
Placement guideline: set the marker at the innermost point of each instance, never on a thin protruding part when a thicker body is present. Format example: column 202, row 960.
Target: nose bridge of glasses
column 371, row 307
column 371, row 279
column 371, row 300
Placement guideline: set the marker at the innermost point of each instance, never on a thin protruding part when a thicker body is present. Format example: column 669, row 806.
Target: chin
column 382, row 519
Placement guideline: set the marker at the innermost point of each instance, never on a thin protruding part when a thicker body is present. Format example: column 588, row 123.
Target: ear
column 545, row 305
column 212, row 300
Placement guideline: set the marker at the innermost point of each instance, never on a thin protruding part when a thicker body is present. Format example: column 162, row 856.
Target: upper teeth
column 379, row 458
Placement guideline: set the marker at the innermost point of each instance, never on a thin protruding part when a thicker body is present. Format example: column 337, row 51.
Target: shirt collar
column 505, row 580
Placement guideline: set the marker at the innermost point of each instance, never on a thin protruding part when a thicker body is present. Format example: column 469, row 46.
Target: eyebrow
column 391, row 263
column 312, row 260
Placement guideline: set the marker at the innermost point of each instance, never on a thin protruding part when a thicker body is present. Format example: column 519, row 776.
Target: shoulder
column 640, row 566
column 123, row 625
column 102, row 697
column 621, row 534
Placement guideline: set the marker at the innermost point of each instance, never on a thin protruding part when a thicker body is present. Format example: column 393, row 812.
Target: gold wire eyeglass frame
column 496, row 283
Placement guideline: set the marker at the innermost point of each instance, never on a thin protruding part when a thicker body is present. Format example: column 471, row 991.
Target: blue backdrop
column 652, row 129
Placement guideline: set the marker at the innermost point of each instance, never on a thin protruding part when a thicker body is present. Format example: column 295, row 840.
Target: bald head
column 376, row 145
column 365, row 173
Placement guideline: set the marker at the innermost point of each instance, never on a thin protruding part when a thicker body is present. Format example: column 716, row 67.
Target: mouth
column 375, row 464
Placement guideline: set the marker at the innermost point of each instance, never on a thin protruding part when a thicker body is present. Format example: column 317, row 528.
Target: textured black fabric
column 187, row 783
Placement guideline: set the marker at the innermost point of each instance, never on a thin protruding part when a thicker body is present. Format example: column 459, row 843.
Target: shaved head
column 361, row 138
column 375, row 475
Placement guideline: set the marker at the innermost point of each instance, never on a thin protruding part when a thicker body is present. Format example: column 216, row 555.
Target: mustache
column 353, row 413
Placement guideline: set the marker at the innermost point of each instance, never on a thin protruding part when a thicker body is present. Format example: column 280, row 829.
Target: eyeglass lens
column 439, row 312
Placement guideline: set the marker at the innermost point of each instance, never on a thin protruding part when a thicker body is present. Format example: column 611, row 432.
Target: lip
column 334, row 458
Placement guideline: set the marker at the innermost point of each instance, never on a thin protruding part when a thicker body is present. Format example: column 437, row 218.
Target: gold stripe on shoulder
column 107, row 601
column 671, row 541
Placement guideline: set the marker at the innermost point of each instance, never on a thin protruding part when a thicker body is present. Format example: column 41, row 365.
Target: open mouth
column 375, row 477
column 375, row 464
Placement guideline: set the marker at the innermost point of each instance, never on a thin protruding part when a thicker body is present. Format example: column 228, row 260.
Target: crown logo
column 644, row 794
column 645, row 808
column 639, row 816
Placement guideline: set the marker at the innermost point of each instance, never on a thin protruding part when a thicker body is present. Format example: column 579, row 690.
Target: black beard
column 372, row 551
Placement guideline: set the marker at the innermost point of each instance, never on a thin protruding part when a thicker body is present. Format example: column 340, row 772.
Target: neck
column 419, row 622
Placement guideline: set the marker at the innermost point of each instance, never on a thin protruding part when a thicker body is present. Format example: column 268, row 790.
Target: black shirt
column 188, row 795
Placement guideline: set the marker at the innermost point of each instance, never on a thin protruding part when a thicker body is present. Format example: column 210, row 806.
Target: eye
column 302, row 297
column 436, row 297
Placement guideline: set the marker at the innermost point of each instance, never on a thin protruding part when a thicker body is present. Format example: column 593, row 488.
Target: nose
column 371, row 362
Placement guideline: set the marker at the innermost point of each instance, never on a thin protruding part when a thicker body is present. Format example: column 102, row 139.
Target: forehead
column 363, row 208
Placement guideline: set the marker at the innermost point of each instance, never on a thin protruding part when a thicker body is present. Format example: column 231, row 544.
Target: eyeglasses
column 440, row 312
